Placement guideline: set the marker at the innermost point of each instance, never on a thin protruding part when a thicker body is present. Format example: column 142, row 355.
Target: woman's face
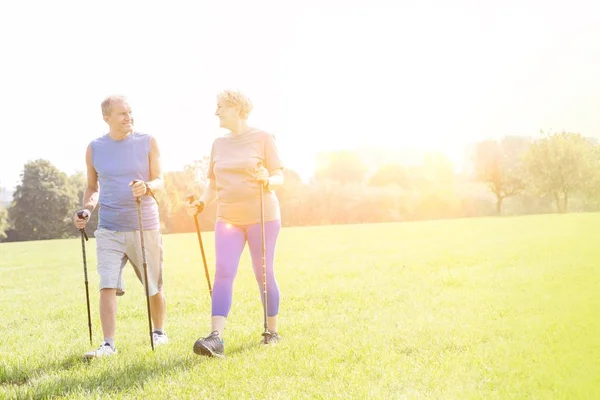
column 227, row 114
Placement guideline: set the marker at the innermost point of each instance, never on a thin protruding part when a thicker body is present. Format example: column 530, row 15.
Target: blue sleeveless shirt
column 118, row 162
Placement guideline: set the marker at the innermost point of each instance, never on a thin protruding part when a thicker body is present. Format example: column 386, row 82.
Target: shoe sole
column 90, row 356
column 204, row 351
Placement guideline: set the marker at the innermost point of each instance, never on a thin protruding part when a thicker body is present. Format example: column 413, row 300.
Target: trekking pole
column 139, row 212
column 266, row 333
column 84, row 238
column 191, row 200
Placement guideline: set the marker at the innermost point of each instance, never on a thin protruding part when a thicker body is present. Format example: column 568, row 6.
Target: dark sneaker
column 211, row 346
column 271, row 338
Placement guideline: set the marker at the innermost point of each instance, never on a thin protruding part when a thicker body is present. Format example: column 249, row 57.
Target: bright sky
column 323, row 74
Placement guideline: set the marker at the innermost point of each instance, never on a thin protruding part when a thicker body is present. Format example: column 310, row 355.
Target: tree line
column 556, row 172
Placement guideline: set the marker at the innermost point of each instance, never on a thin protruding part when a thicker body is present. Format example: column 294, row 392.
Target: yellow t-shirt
column 233, row 159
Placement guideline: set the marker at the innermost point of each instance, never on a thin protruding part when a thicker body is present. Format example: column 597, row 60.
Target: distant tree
column 43, row 203
column 3, row 217
column 433, row 190
column 292, row 197
column 562, row 164
column 391, row 174
column 178, row 185
column 591, row 189
column 79, row 182
column 3, row 223
column 198, row 171
column 342, row 166
column 500, row 165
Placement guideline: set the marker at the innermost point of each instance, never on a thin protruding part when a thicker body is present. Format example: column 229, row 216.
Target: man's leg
column 111, row 260
column 153, row 247
column 108, row 314
column 158, row 310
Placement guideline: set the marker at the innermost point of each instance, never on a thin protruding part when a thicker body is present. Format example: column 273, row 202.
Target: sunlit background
column 383, row 78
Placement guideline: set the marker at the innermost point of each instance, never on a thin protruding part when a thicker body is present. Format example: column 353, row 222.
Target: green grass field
column 497, row 308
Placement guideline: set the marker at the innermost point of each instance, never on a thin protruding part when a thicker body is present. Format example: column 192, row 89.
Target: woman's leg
column 255, row 244
column 229, row 244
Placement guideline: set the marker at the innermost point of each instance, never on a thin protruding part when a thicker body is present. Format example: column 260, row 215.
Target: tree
column 178, row 185
column 291, row 197
column 391, row 174
column 591, row 190
column 43, row 203
column 562, row 164
column 3, row 218
column 79, row 182
column 3, row 223
column 342, row 166
column 433, row 193
column 500, row 165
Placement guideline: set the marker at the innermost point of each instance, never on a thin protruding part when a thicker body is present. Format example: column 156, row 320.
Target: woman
column 240, row 161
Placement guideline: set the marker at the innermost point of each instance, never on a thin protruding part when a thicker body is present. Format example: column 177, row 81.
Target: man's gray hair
column 109, row 101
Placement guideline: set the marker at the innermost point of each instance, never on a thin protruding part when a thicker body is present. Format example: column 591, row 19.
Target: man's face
column 120, row 118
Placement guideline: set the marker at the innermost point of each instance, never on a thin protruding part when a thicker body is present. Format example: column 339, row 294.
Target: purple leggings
column 230, row 241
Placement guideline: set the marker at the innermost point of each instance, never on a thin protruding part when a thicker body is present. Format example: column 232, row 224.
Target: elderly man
column 114, row 162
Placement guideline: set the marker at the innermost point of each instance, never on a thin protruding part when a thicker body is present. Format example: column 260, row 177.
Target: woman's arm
column 275, row 180
column 210, row 193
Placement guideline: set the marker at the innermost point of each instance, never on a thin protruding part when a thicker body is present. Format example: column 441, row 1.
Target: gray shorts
column 114, row 249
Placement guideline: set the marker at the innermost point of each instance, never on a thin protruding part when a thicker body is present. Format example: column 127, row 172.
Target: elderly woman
column 241, row 161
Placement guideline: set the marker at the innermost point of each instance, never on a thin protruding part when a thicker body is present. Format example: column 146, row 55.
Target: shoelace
column 104, row 344
column 213, row 337
column 272, row 336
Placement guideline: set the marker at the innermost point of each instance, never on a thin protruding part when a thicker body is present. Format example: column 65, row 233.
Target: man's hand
column 81, row 222
column 194, row 208
column 138, row 188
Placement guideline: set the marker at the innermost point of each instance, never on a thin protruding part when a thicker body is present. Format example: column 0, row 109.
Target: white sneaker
column 103, row 350
column 160, row 339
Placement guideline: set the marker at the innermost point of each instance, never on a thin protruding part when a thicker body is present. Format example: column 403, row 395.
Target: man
column 121, row 166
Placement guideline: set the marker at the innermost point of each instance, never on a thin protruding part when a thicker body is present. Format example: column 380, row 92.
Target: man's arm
column 156, row 181
column 90, row 197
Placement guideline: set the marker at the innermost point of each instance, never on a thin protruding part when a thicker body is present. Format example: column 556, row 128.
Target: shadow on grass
column 22, row 375
column 93, row 376
column 121, row 377
column 106, row 376
column 244, row 346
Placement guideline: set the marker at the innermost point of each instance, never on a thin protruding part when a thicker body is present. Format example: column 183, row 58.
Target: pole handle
column 81, row 215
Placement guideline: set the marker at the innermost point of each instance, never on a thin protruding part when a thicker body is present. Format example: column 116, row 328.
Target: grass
column 496, row 308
